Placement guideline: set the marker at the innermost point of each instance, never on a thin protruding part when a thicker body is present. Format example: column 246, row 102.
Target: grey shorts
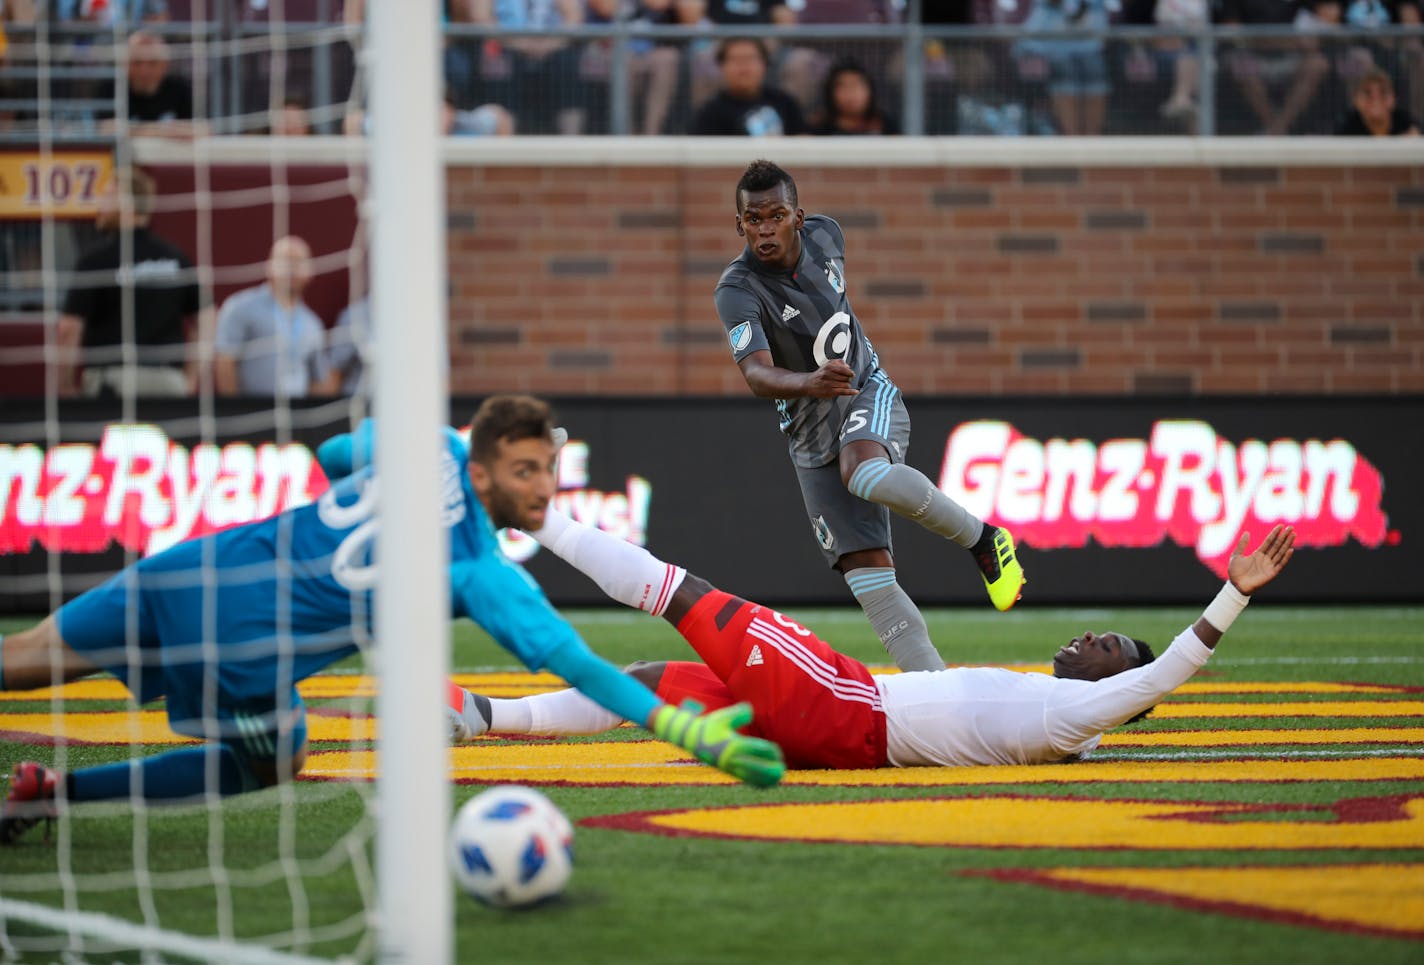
column 843, row 523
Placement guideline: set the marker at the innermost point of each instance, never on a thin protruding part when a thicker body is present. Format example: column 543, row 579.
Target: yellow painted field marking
column 1281, row 687
column 146, row 727
column 1324, row 708
column 98, row 688
column 1033, row 822
column 1215, row 738
column 151, row 727
column 1381, row 899
column 511, row 684
column 653, row 762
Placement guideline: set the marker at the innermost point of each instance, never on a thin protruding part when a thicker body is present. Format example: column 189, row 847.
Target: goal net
column 191, row 298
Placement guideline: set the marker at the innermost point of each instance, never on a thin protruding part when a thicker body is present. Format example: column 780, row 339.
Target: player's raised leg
column 869, row 473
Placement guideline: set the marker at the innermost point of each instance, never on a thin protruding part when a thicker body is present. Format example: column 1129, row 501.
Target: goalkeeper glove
column 713, row 739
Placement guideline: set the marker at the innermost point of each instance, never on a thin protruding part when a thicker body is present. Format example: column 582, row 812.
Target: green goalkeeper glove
column 713, row 739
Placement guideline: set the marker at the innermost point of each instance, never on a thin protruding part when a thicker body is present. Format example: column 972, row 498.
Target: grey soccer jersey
column 804, row 319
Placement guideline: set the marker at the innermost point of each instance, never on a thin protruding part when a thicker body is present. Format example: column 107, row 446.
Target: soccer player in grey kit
column 797, row 341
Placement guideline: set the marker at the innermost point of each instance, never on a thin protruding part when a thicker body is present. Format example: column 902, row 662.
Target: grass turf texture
column 652, row 898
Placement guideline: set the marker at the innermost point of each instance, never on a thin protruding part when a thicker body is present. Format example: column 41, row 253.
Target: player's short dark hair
column 507, row 418
column 1143, row 651
column 763, row 175
column 726, row 44
column 1147, row 656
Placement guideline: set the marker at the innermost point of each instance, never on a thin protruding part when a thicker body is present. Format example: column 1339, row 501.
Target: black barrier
column 1114, row 501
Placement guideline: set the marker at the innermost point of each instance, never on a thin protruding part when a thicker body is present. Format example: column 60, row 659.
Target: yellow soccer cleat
column 1003, row 576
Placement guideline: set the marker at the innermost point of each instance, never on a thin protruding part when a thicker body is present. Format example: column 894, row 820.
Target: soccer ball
column 511, row 846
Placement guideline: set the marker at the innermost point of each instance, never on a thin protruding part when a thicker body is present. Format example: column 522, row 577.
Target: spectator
column 973, row 86
column 487, row 120
column 1179, row 54
column 1257, row 65
column 1375, row 113
column 653, row 66
column 110, row 12
column 459, row 61
column 347, row 346
column 736, row 13
column 1357, row 55
column 147, row 298
column 535, row 74
column 22, row 13
column 160, row 103
column 1074, row 67
column 849, row 104
column 269, row 342
column 1409, row 13
column 746, row 105
column 802, row 69
column 291, row 119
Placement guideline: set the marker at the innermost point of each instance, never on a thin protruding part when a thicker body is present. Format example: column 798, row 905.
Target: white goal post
column 412, row 596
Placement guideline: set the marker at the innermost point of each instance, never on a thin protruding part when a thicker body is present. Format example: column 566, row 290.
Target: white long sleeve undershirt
column 968, row 716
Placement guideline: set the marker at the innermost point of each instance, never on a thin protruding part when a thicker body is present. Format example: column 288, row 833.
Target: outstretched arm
column 1078, row 715
column 1246, row 573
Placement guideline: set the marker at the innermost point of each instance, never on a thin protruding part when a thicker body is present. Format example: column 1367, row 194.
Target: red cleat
column 30, row 801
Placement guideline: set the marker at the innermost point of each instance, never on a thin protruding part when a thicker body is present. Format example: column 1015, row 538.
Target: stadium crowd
column 831, row 67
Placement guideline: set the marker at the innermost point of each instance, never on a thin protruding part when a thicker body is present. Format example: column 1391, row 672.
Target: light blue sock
column 896, row 619
column 168, row 776
column 909, row 493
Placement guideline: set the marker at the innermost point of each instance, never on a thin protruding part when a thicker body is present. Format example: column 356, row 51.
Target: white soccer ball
column 511, row 846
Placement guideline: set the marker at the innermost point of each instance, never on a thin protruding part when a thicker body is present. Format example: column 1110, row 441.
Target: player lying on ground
column 825, row 709
column 225, row 626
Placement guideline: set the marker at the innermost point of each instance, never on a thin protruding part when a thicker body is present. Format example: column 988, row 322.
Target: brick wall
column 986, row 281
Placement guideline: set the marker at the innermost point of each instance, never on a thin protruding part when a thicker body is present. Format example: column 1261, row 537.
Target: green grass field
column 1228, row 869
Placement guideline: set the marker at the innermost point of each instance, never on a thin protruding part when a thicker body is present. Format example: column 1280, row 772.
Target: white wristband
column 1226, row 607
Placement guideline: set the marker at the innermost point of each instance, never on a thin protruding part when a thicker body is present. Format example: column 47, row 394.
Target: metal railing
column 51, row 77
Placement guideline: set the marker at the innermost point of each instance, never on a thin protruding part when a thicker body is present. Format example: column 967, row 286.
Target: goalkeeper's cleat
column 713, row 739
column 30, row 801
column 467, row 714
column 999, row 565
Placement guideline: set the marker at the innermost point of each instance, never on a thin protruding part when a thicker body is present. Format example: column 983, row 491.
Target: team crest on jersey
column 741, row 336
column 824, row 536
column 834, row 276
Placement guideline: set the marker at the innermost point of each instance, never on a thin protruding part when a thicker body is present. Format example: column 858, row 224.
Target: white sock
column 563, row 713
column 626, row 572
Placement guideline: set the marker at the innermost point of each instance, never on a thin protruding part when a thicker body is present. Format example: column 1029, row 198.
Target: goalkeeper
column 224, row 626
column 825, row 709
